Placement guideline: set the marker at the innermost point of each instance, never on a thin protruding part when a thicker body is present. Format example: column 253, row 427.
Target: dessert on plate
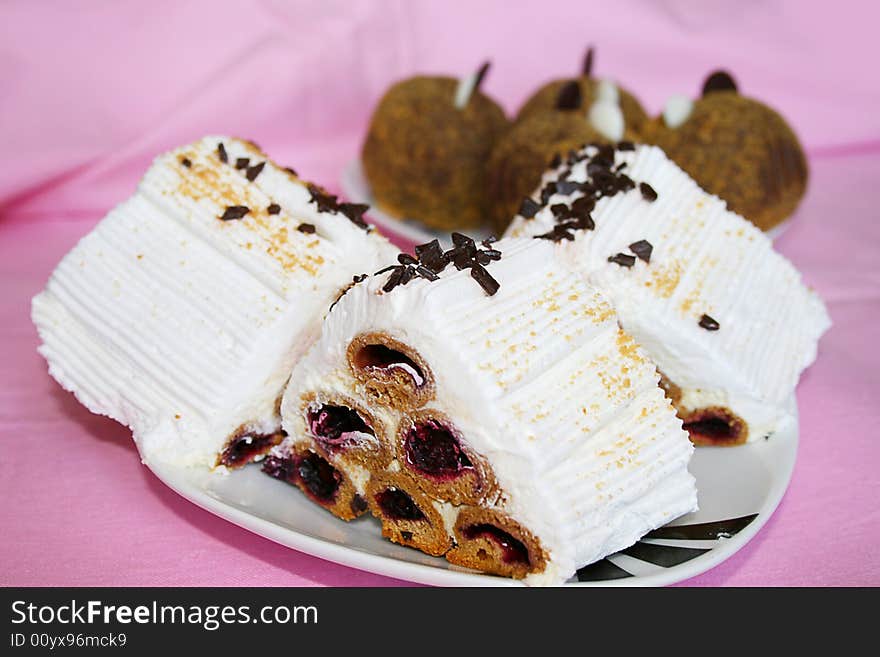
column 595, row 98
column 484, row 404
column 737, row 148
column 426, row 147
column 728, row 321
column 182, row 313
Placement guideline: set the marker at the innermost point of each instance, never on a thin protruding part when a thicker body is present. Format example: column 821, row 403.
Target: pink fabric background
column 91, row 91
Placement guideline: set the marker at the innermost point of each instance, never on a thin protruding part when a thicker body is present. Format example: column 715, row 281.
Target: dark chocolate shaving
column 254, row 171
column 306, row 228
column 560, row 232
column 587, row 68
column 430, row 260
column 242, row 162
column 567, row 186
column 648, row 192
column 709, row 323
column 234, row 212
column 186, row 162
column 529, row 208
column 643, row 249
column 569, row 97
column 354, row 212
column 291, row 171
column 484, row 278
column 626, row 146
column 329, row 203
column 221, row 153
column 273, row 209
column 431, row 256
column 623, row 259
column 719, row 81
column 555, row 161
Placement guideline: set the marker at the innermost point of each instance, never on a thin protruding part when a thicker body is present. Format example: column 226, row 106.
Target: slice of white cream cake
column 182, row 313
column 728, row 320
column 485, row 405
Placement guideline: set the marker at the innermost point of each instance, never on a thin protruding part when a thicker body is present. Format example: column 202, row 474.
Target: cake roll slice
column 728, row 320
column 182, row 313
column 484, row 403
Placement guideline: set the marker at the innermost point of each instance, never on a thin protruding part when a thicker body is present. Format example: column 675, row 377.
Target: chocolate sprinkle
column 484, row 278
column 569, row 97
column 329, row 203
column 604, row 179
column 560, row 232
column 623, row 259
column 567, row 186
column 354, row 281
column 354, row 212
column 273, row 209
column 529, row 208
column 555, row 161
column 306, row 228
column 719, row 81
column 431, row 256
column 709, row 323
column 291, row 171
column 254, row 171
column 186, row 162
column 235, row 212
column 642, row 249
column 242, row 162
column 430, row 260
column 221, row 153
column 587, row 68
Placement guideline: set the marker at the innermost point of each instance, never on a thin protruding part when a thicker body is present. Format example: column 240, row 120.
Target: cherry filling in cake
column 245, row 448
column 434, row 450
column 320, row 478
column 512, row 550
column 397, row 505
column 714, row 426
column 334, row 425
column 383, row 358
column 280, row 467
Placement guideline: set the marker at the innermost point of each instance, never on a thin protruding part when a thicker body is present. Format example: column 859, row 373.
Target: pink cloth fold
column 92, row 91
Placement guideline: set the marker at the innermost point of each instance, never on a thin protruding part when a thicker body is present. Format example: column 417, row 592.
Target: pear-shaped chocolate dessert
column 426, row 149
column 736, row 148
column 589, row 91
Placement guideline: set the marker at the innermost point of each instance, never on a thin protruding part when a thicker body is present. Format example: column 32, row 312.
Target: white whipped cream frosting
column 705, row 260
column 185, row 327
column 541, row 382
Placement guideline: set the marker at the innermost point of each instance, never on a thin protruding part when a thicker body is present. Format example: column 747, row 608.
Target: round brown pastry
column 426, row 148
column 737, row 148
column 550, row 99
column 520, row 158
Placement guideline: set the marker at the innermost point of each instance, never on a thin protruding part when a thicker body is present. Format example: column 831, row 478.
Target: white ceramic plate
column 738, row 490
column 356, row 189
